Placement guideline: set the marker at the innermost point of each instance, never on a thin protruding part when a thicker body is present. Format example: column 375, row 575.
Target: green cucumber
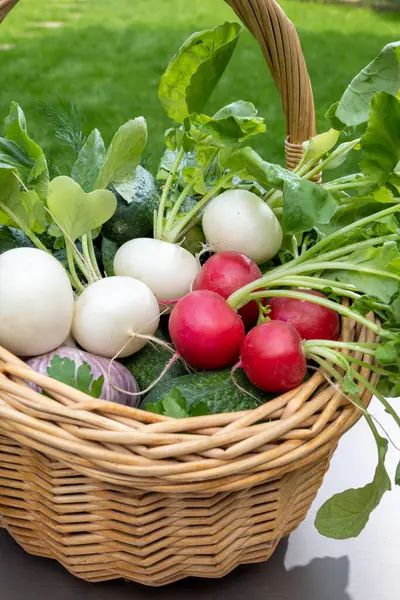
column 214, row 388
column 136, row 203
column 108, row 251
column 147, row 364
column 12, row 238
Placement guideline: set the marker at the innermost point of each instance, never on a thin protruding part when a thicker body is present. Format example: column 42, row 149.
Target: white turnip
column 112, row 315
column 168, row 269
column 36, row 302
column 239, row 220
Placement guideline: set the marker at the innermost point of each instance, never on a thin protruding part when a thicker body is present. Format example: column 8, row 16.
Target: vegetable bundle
column 221, row 282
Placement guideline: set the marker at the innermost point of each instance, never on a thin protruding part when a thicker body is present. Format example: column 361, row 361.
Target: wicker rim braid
column 222, row 452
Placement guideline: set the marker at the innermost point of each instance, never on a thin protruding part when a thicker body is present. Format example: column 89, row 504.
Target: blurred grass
column 108, row 58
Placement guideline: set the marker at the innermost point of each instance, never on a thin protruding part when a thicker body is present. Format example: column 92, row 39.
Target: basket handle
column 281, row 47
column 5, row 7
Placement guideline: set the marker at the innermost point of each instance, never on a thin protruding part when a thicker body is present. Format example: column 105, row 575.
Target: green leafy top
column 123, row 154
column 381, row 75
column 76, row 211
column 194, row 71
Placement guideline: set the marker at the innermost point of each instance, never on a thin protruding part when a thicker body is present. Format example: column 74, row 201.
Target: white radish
column 168, row 269
column 109, row 314
column 36, row 302
column 239, row 220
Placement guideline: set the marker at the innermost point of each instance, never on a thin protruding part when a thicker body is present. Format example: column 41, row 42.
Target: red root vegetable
column 272, row 357
column 226, row 272
column 206, row 332
column 312, row 321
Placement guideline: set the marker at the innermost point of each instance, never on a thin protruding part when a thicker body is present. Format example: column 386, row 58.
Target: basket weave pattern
column 110, row 491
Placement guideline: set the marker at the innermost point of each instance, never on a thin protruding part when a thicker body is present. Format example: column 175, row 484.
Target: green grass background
column 108, row 58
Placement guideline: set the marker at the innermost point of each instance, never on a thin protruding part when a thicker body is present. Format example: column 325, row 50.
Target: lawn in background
column 108, row 58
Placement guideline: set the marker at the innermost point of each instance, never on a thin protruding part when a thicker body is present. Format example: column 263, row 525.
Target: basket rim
column 130, row 446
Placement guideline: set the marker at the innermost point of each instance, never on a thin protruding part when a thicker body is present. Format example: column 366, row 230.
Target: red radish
column 272, row 357
column 226, row 272
column 312, row 321
column 206, row 332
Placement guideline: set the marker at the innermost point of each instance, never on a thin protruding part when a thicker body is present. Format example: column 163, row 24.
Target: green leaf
column 97, row 387
column 347, row 214
column 195, row 70
column 345, row 515
column 172, row 404
column 364, row 304
column 76, row 211
column 381, row 75
column 381, row 141
column 229, row 127
column 88, row 163
column 397, row 476
column 123, row 154
column 387, row 354
column 16, row 132
column 320, row 144
column 305, row 204
column 85, row 383
column 381, row 258
column 20, row 210
column 11, row 155
column 34, row 209
column 343, row 151
column 64, row 370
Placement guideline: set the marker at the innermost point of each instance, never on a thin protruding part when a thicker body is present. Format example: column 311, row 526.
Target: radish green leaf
column 346, row 514
column 381, row 75
column 123, row 154
column 76, row 211
column 88, row 163
column 194, row 71
column 16, row 132
column 381, row 141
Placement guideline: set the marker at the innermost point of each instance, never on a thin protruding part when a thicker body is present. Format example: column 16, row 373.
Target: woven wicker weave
column 111, row 491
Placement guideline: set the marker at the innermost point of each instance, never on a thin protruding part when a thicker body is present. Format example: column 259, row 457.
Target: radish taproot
column 272, row 357
column 168, row 269
column 36, row 302
column 112, row 316
column 226, row 272
column 312, row 321
column 206, row 332
column 239, row 220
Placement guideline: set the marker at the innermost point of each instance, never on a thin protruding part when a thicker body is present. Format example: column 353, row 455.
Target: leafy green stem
column 189, row 220
column 89, row 254
column 237, row 300
column 340, row 232
column 21, row 225
column 71, row 265
column 161, row 209
column 188, row 188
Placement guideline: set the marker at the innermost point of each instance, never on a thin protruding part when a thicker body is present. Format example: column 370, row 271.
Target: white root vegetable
column 36, row 302
column 239, row 220
column 168, row 269
column 110, row 312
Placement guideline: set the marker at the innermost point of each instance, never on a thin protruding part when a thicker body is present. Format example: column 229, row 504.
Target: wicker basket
column 115, row 492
